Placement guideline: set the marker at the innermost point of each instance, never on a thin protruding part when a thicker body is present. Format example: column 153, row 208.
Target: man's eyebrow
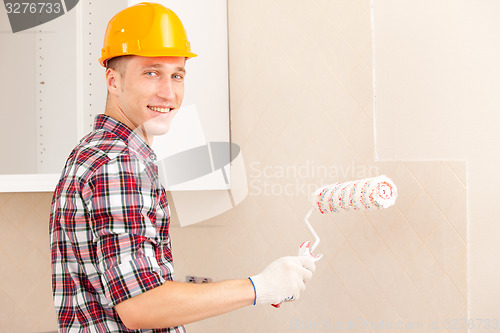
column 177, row 69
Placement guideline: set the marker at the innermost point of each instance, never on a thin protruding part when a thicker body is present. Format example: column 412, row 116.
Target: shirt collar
column 132, row 139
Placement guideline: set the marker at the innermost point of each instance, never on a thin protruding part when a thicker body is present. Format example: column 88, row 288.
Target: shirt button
column 152, row 157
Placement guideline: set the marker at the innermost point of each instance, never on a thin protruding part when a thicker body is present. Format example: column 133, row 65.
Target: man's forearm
column 177, row 303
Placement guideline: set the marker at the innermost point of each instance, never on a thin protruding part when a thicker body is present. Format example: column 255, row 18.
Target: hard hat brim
column 163, row 52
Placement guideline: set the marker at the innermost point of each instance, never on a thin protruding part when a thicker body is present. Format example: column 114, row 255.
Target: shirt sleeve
column 121, row 197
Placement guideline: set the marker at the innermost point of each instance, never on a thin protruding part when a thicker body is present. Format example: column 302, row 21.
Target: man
column 112, row 265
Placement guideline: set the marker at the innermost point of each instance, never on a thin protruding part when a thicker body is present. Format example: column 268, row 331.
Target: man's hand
column 284, row 279
column 177, row 303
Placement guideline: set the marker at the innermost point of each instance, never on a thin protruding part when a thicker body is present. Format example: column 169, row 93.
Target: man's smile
column 160, row 109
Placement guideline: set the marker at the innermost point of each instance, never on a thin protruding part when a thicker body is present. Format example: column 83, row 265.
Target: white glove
column 284, row 279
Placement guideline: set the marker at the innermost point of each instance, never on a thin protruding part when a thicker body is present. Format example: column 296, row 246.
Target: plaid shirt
column 108, row 229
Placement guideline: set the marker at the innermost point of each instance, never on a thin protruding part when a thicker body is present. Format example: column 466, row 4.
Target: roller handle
column 304, row 250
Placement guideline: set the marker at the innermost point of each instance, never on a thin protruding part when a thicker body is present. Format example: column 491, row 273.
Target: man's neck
column 115, row 112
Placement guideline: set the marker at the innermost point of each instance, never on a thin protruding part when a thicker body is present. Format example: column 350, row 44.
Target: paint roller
column 364, row 194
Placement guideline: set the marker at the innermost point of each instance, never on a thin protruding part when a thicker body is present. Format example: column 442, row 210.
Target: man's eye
column 151, row 74
column 177, row 76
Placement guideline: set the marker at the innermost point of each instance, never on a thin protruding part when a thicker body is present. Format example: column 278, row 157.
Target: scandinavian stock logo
column 28, row 14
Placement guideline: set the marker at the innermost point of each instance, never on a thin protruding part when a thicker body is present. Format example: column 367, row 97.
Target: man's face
column 149, row 93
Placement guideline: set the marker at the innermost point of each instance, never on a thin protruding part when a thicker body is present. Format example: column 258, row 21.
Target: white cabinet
column 52, row 87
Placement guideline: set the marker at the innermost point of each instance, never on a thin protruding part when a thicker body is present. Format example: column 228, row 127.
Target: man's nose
column 167, row 90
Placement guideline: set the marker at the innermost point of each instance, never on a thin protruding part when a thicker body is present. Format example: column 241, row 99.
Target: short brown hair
column 117, row 63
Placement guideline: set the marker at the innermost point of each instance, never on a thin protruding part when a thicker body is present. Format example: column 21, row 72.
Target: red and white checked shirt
column 108, row 229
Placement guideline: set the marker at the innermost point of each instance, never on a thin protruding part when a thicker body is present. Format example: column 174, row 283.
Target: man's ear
column 113, row 80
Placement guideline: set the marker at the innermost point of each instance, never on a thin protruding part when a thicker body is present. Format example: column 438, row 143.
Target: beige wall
column 25, row 280
column 438, row 77
column 301, row 108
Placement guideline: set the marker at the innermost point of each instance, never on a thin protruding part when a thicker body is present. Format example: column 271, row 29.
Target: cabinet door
column 38, row 96
column 52, row 87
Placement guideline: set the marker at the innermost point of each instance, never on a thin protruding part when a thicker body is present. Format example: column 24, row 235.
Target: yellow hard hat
column 146, row 29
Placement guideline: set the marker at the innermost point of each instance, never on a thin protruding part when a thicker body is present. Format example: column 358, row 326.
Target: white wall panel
column 17, row 100
column 55, row 93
